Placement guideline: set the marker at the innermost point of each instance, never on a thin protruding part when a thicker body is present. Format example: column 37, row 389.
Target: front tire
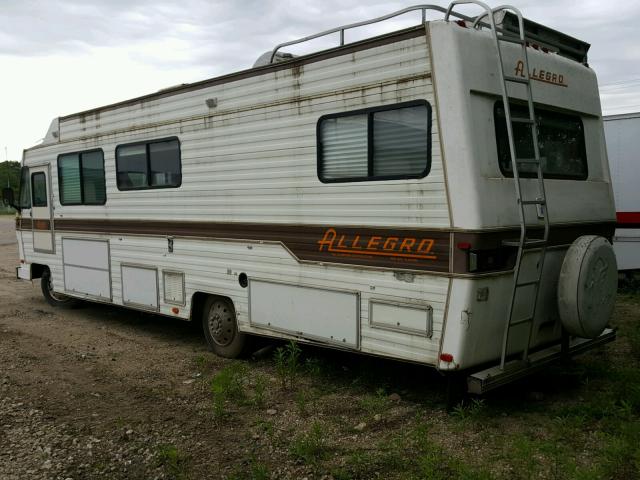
column 54, row 299
column 221, row 328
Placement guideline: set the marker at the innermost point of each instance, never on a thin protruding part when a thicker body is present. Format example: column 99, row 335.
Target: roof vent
column 265, row 58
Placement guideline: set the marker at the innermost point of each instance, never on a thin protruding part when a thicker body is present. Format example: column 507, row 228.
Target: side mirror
column 7, row 197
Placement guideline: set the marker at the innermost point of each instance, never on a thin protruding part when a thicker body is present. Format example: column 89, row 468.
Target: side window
column 39, row 189
column 81, row 178
column 560, row 139
column 25, row 189
column 383, row 143
column 147, row 165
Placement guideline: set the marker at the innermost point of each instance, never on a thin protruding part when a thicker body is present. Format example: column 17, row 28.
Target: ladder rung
column 512, row 39
column 521, row 321
column 528, row 283
column 537, row 242
column 533, row 202
column 527, row 160
column 522, row 120
column 509, row 78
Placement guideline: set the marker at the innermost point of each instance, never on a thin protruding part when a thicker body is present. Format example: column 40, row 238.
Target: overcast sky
column 62, row 56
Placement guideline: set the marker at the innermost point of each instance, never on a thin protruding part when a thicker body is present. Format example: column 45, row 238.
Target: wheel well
column 197, row 302
column 37, row 270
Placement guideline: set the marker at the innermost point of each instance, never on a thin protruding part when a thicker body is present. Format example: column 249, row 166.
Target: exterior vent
column 173, row 287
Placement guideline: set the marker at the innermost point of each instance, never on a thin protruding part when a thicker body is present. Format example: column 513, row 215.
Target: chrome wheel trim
column 221, row 323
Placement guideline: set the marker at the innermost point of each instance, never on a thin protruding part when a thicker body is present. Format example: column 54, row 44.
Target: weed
column 287, row 360
column 621, row 451
column 469, row 411
column 259, row 389
column 358, row 464
column 375, row 404
column 255, row 471
column 315, row 367
column 433, row 463
column 302, row 401
column 201, row 362
column 267, row 427
column 228, row 384
column 174, row 461
column 521, row 454
column 311, row 447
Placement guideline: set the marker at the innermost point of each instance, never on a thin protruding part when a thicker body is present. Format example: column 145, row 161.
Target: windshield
column 24, row 197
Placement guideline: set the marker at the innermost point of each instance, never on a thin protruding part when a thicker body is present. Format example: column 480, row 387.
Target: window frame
column 370, row 151
column 104, row 177
column 46, row 191
column 146, row 143
column 546, row 110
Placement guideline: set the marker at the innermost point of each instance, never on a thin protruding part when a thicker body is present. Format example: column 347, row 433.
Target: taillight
column 446, row 357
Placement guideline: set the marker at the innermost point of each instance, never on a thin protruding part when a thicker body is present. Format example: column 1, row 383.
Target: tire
column 587, row 286
column 221, row 328
column 54, row 299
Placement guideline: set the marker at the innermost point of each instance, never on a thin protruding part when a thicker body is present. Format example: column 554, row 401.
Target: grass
column 287, row 362
column 472, row 409
column 253, row 471
column 236, row 385
column 312, row 446
column 582, row 423
column 374, row 404
column 173, row 461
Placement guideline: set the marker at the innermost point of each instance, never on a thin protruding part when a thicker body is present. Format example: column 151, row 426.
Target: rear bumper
column 494, row 377
column 23, row 272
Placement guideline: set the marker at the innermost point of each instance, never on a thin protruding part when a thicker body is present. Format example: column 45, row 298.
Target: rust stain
column 297, row 70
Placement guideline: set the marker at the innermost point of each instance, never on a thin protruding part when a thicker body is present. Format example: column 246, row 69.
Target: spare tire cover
column 587, row 286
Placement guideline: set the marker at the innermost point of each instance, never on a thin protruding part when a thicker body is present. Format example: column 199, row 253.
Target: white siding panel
column 253, row 159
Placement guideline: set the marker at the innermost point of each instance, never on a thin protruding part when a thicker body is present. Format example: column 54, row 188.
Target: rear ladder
column 526, row 244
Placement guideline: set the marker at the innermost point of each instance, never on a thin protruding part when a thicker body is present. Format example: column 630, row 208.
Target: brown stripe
column 389, row 248
column 558, row 235
column 40, row 224
column 393, row 37
column 29, row 224
column 396, row 248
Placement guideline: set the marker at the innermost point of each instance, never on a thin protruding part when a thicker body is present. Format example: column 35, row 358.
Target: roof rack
column 559, row 42
column 546, row 37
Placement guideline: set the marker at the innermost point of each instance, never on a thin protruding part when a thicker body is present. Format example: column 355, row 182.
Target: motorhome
column 438, row 194
column 621, row 133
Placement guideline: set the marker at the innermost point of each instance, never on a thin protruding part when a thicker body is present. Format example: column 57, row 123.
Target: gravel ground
column 93, row 392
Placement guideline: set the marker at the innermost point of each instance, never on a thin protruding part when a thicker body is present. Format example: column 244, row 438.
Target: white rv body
column 621, row 132
column 251, row 202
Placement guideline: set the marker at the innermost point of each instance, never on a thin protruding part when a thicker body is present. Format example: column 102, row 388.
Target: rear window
column 560, row 139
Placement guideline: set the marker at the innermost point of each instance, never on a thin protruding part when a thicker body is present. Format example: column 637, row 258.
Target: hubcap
column 221, row 323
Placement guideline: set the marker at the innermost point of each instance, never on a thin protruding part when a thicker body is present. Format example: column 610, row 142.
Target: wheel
column 587, row 286
column 54, row 299
column 221, row 328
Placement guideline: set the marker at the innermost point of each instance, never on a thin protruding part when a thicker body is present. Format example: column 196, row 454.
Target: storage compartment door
column 315, row 313
column 140, row 286
column 86, row 267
